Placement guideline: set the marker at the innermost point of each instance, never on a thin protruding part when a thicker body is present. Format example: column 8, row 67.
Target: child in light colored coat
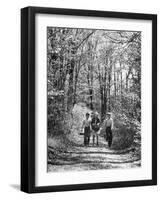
column 87, row 128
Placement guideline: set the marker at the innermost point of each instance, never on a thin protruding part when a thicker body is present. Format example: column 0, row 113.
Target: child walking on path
column 86, row 126
column 109, row 127
column 95, row 124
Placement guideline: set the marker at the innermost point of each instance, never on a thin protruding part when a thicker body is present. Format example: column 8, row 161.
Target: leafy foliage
column 99, row 68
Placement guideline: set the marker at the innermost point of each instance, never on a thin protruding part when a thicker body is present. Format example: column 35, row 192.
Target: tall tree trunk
column 109, row 85
column 121, row 86
column 118, row 84
column 127, row 85
column 102, row 102
column 90, row 90
column 75, row 82
column 90, row 76
column 70, row 88
column 115, row 87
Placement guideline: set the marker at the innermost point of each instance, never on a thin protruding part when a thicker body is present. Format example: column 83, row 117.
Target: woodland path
column 78, row 157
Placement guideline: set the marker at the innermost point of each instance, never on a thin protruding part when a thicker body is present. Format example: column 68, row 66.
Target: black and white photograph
column 93, row 99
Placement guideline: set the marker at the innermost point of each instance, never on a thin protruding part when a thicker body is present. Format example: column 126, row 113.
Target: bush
column 122, row 138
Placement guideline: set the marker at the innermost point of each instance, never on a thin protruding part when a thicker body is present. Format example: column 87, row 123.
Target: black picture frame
column 28, row 98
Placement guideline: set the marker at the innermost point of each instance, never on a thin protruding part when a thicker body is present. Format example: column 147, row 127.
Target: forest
column 100, row 68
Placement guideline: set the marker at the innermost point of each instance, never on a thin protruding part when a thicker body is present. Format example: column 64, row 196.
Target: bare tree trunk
column 121, row 86
column 90, row 90
column 127, row 83
column 115, row 87
column 70, row 89
column 109, row 85
column 90, row 76
column 118, row 84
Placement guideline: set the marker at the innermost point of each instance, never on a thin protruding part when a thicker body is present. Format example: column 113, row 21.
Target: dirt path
column 75, row 156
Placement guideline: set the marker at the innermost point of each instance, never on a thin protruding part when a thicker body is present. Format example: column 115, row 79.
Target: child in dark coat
column 95, row 125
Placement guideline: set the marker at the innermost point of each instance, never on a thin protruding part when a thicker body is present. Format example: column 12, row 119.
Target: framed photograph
column 88, row 99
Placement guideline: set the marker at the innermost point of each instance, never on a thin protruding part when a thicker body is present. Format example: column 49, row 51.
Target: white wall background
column 10, row 98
